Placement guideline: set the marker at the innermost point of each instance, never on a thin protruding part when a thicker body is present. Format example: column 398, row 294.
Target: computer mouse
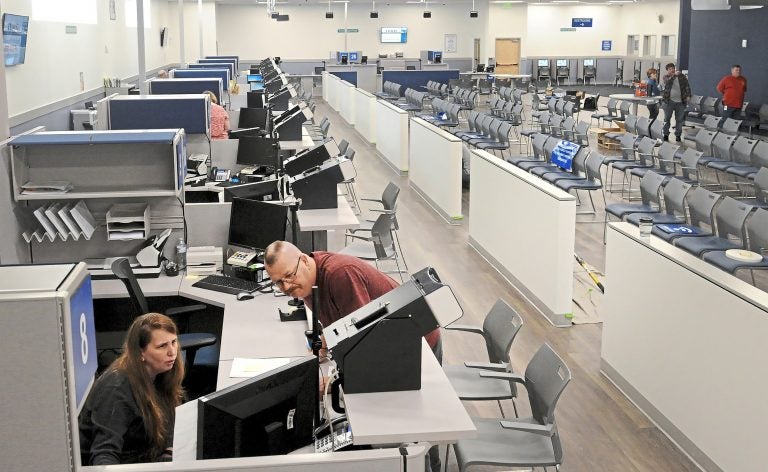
column 244, row 296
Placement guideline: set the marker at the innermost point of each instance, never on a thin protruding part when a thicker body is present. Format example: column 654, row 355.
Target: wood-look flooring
column 600, row 429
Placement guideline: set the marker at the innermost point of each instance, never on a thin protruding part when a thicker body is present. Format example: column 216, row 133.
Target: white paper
column 125, row 235
column 245, row 368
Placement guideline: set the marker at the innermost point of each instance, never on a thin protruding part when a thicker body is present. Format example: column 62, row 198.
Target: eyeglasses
column 288, row 278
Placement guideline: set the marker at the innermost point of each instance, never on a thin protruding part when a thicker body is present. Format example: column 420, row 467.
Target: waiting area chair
column 379, row 246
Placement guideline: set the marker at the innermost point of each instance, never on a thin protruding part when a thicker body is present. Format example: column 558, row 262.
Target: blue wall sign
column 581, row 22
column 607, row 44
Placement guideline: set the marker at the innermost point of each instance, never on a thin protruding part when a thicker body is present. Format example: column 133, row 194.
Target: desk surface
column 630, row 97
column 329, row 218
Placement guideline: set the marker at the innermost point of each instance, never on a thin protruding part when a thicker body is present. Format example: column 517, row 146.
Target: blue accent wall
column 349, row 76
column 417, row 79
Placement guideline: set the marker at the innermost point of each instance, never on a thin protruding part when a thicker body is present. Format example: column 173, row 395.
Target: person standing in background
column 733, row 87
column 677, row 92
column 652, row 89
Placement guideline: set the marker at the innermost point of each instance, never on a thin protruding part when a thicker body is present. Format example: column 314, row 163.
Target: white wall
column 249, row 32
column 538, row 26
column 54, row 59
column 192, row 28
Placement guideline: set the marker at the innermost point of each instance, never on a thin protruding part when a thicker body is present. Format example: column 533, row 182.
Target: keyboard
column 224, row 284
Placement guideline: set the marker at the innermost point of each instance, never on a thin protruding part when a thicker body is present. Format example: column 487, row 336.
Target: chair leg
column 514, row 407
column 400, row 249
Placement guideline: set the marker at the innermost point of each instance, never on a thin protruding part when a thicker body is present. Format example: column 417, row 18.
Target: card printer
column 377, row 348
column 312, row 157
column 316, row 187
column 204, row 260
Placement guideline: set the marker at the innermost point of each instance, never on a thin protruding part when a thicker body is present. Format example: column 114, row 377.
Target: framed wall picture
column 451, row 43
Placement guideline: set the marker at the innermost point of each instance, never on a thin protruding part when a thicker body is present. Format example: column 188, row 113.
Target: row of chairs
column 390, row 91
column 465, row 97
column 444, row 114
column 511, row 93
column 559, row 126
column 437, row 89
column 486, row 132
column 412, row 100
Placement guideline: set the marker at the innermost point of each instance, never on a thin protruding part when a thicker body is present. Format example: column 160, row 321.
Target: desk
column 319, row 222
column 630, row 97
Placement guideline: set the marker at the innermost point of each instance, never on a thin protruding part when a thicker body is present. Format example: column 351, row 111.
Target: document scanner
column 312, row 157
column 377, row 348
column 316, row 187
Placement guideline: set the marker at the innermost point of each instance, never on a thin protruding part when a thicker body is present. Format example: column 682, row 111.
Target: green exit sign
column 348, row 30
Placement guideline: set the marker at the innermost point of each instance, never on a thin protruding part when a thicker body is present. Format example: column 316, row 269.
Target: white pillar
column 142, row 49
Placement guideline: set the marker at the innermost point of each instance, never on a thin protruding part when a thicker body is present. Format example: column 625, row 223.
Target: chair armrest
column 503, row 376
column 354, row 236
column 467, row 328
column 376, row 200
column 673, row 161
column 486, row 366
column 386, row 212
column 543, row 430
column 179, row 310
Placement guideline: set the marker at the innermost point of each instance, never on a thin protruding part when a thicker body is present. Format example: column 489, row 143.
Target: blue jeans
column 678, row 108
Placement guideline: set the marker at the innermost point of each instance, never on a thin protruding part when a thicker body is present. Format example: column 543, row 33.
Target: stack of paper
column 54, row 186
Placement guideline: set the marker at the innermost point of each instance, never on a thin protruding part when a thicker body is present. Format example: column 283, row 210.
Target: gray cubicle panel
column 464, row 64
column 606, row 70
column 208, row 224
column 13, row 249
column 301, row 66
column 202, row 71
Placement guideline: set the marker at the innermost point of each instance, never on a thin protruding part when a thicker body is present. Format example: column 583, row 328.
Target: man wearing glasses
column 346, row 283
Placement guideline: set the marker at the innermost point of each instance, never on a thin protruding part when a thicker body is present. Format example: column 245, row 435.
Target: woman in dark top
column 129, row 414
column 652, row 89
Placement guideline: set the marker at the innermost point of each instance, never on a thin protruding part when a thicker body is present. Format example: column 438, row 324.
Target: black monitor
column 264, row 191
column 251, row 117
column 481, row 68
column 257, row 151
column 254, row 70
column 286, row 114
column 437, row 58
column 363, row 59
column 256, row 224
column 242, row 132
column 344, row 59
column 267, row 415
column 255, row 99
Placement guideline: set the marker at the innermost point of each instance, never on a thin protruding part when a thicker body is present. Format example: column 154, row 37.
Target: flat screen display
column 255, row 78
column 543, row 62
column 562, row 63
column 15, row 38
column 589, row 62
column 394, row 34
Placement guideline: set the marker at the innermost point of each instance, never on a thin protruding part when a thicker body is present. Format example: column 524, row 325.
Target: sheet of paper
column 244, row 368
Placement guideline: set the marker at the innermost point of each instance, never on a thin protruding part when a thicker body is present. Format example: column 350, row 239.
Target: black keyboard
column 224, row 284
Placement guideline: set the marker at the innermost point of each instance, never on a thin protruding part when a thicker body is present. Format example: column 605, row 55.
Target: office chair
column 388, row 202
column 526, row 442
column 378, row 246
column 190, row 343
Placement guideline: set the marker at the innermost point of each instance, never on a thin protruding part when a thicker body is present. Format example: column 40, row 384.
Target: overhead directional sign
column 581, row 22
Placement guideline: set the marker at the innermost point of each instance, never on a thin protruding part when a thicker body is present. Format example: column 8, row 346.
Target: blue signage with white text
column 581, row 22
column 607, row 44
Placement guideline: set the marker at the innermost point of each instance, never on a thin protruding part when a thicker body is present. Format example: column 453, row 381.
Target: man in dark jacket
column 675, row 97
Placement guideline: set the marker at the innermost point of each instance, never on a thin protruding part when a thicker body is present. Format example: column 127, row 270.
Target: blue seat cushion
column 528, row 165
column 747, row 172
column 553, row 177
column 720, row 260
column 619, row 210
column 584, row 184
column 720, row 164
column 669, row 237
column 543, row 169
column 658, row 218
column 699, row 245
column 626, row 165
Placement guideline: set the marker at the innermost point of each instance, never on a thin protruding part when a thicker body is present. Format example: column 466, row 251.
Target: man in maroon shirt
column 346, row 283
column 733, row 87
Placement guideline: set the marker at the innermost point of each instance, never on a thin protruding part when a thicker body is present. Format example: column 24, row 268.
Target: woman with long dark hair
column 129, row 414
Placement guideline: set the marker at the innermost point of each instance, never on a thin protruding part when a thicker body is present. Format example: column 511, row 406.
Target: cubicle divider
column 222, row 74
column 347, row 102
column 186, row 86
column 365, row 114
column 525, row 228
column 228, row 66
column 417, row 79
column 435, row 168
column 392, row 135
column 685, row 341
column 190, row 112
column 349, row 76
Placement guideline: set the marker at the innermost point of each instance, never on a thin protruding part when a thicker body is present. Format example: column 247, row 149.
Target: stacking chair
column 593, row 180
column 379, row 246
column 730, row 217
column 675, row 192
column 630, row 125
column 701, row 203
column 757, row 237
column 581, row 133
column 502, row 139
column 759, row 187
column 578, row 169
column 657, row 130
column 749, row 156
column 689, row 167
column 623, row 111
column 666, row 164
column 645, row 160
column 500, row 327
column 650, row 185
column 200, row 349
column 526, row 442
column 349, row 183
column 730, row 126
column 388, row 202
column 343, row 144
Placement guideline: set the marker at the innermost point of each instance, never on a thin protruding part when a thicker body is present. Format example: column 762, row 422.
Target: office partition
column 347, row 102
column 365, row 114
column 190, row 112
column 196, row 73
column 349, row 76
column 186, row 86
column 216, row 64
column 392, row 135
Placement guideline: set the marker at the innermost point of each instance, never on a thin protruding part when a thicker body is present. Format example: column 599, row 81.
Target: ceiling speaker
column 329, row 14
column 473, row 14
column 427, row 14
column 374, row 14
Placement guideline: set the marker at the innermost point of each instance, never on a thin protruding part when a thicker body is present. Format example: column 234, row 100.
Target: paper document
column 244, row 368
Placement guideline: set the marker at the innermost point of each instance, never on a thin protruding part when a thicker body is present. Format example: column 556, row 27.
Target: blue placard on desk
column 606, row 44
column 581, row 22
column 563, row 154
column 83, row 342
column 680, row 229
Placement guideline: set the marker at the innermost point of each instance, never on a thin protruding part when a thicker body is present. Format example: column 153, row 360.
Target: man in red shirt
column 733, row 87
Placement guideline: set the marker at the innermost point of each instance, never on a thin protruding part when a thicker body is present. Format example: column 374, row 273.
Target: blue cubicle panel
column 135, row 112
column 417, row 79
column 185, row 86
column 204, row 72
column 231, row 63
column 349, row 76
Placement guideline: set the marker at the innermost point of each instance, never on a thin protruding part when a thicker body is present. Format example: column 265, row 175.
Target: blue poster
column 83, row 342
column 563, row 154
column 581, row 22
column 607, row 44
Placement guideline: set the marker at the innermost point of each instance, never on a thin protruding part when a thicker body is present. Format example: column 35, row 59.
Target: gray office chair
column 379, row 246
column 526, row 442
column 757, row 235
column 500, row 327
column 191, row 343
column 388, row 202
column 675, row 193
column 343, row 145
column 349, row 183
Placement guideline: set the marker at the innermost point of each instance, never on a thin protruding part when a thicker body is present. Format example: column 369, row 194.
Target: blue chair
column 650, row 186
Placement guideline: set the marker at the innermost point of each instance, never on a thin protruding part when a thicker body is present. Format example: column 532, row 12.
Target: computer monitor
column 253, row 151
column 589, row 62
column 254, row 78
column 562, row 63
column 262, row 191
column 437, row 58
column 353, row 57
column 252, row 117
column 344, row 59
column 363, row 59
column 543, row 62
column 255, row 99
column 242, row 132
column 270, row 414
column 254, row 70
column 256, row 225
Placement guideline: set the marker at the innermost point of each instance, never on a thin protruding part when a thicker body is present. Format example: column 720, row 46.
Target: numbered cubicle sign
column 83, row 339
column 606, row 44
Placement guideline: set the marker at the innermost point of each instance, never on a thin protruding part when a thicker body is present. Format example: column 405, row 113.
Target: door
column 507, row 55
column 476, row 55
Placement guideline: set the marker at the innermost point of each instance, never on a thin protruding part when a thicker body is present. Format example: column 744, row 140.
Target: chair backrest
column 704, row 140
column 349, row 153
column 538, row 145
column 579, row 165
column 721, row 145
column 627, row 144
column 760, row 154
column 343, row 145
column 761, row 186
column 700, row 205
column 642, row 126
column 568, row 124
column 611, row 106
column 549, row 146
column 545, row 379
column 560, row 106
column 624, row 108
column 472, row 120
column 630, row 124
column 569, row 108
column 503, row 132
column 389, row 196
column 695, row 103
column 501, row 325
column 690, row 162
column 554, row 125
column 757, row 231
column 666, row 154
column 122, row 270
column 381, row 234
column 657, row 129
column 593, row 164
column 580, row 132
column 711, row 122
column 674, row 197
column 730, row 126
column 742, row 150
column 730, row 217
column 552, row 105
column 710, row 105
column 650, row 185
